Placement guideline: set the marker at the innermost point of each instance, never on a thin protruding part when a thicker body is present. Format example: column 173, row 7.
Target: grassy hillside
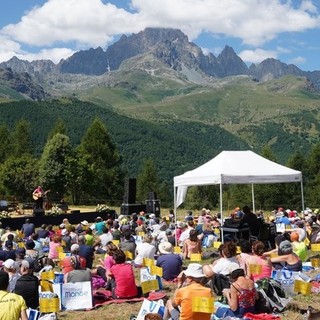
column 158, row 113
column 282, row 113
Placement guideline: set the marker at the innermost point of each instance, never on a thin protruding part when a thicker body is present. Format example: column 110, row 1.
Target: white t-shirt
column 226, row 265
column 105, row 238
column 185, row 235
column 144, row 250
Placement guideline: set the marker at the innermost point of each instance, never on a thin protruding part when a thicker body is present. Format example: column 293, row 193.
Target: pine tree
column 106, row 177
column 54, row 165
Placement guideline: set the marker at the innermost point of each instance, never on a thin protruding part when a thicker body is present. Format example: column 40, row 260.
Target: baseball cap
column 10, row 264
column 75, row 247
column 28, row 263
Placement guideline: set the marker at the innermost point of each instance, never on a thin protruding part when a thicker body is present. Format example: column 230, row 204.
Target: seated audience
column 258, row 259
column 191, row 245
column 27, row 285
column 78, row 273
column 189, row 285
column 246, row 253
column 66, row 263
column 121, row 280
column 10, row 266
column 86, row 251
column 299, row 247
column 54, row 244
column 170, row 262
column 13, row 306
column 144, row 250
column 241, row 296
column 128, row 244
column 226, row 264
column 287, row 258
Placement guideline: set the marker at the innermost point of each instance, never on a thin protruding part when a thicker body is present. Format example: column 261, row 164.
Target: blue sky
column 288, row 30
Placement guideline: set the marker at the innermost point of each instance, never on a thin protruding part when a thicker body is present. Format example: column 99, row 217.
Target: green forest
column 84, row 153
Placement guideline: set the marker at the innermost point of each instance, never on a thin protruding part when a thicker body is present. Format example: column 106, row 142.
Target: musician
column 37, row 195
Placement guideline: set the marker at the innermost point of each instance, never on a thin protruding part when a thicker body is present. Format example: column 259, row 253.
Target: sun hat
column 194, row 270
column 10, row 264
column 28, row 263
column 84, row 222
column 165, row 247
column 64, row 232
column 75, row 248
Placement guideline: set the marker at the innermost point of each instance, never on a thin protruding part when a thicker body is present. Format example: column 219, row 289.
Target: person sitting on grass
column 144, row 250
column 287, row 258
column 189, row 285
column 13, row 306
column 257, row 258
column 121, row 280
column 191, row 245
column 170, row 262
column 78, row 273
column 241, row 296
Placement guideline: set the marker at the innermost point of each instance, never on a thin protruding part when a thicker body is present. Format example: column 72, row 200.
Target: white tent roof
column 235, row 167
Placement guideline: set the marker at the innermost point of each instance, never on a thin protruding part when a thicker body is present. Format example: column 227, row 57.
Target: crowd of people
column 107, row 253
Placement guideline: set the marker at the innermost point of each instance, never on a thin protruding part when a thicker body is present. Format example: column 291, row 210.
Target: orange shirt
column 183, row 298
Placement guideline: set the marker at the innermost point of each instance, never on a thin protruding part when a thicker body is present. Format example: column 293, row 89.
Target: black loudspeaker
column 153, row 206
column 130, row 190
column 127, row 209
column 152, row 195
column 38, row 212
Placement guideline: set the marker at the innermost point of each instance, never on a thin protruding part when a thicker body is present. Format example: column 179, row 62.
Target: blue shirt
column 171, row 265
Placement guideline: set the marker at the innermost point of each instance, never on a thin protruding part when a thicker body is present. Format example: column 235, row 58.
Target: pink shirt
column 108, row 262
column 265, row 271
column 125, row 281
column 53, row 252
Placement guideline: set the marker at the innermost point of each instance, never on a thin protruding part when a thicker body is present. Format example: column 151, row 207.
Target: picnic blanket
column 104, row 297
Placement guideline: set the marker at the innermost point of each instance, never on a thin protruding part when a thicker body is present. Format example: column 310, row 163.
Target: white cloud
column 215, row 51
column 283, row 50
column 81, row 24
column 297, row 60
column 257, row 55
column 55, row 54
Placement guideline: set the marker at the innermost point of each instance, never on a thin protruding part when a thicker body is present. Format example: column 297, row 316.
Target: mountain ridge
column 172, row 47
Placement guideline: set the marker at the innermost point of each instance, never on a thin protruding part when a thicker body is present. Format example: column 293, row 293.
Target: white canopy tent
column 234, row 167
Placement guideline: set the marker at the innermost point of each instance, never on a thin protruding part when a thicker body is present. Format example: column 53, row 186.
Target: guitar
column 38, row 195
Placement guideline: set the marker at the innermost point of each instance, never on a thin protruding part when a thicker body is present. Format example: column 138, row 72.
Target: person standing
column 12, row 306
column 37, row 196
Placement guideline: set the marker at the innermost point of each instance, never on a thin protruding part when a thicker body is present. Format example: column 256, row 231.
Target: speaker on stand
column 130, row 190
column 153, row 206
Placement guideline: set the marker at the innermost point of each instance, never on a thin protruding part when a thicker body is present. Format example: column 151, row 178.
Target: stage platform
column 74, row 217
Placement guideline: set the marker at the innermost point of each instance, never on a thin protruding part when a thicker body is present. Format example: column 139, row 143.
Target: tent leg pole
column 302, row 195
column 221, row 213
column 175, row 212
column 253, row 200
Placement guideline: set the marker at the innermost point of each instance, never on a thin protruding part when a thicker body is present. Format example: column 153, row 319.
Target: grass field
column 125, row 310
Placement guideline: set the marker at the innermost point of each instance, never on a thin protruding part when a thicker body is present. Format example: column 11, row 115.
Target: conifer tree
column 106, row 177
column 54, row 165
